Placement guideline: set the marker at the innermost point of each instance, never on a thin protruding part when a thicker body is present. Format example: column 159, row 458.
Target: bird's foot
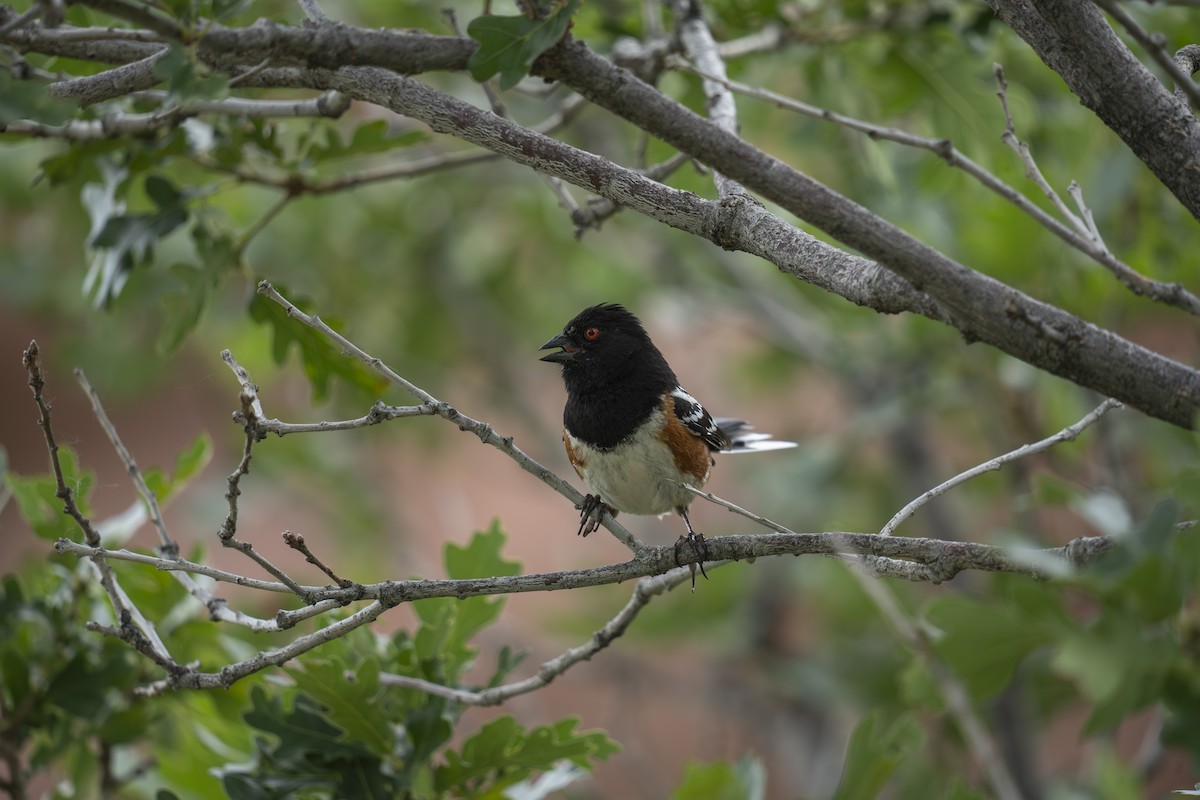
column 698, row 543
column 591, row 511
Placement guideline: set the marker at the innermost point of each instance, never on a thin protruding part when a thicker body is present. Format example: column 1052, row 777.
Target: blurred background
column 455, row 278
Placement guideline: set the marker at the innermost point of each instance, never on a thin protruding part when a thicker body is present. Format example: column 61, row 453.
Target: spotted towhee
column 632, row 433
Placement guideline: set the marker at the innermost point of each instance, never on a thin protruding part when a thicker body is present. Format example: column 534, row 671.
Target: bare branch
column 1073, row 38
column 1086, row 238
column 981, row 307
column 950, row 558
column 297, row 543
column 1187, row 59
column 231, row 674
column 701, row 49
column 1155, row 47
column 484, row 431
column 133, row 627
column 112, row 83
column 1032, row 171
column 33, row 12
column 139, row 15
column 643, row 593
column 1067, row 434
column 167, row 545
column 314, row 12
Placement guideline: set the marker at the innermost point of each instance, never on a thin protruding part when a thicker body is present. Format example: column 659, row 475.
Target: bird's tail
column 742, row 439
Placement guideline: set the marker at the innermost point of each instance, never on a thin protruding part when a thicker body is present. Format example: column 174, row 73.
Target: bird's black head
column 605, row 344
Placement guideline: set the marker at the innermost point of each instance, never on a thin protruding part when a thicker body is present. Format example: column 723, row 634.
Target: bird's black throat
column 607, row 401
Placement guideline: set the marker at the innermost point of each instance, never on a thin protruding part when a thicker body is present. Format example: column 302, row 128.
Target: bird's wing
column 697, row 420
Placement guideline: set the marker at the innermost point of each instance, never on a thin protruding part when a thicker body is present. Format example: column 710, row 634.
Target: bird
column 633, row 434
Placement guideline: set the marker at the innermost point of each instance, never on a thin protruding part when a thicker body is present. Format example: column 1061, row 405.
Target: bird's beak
column 564, row 356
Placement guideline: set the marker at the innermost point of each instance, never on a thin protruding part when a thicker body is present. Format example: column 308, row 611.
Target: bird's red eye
column 592, row 334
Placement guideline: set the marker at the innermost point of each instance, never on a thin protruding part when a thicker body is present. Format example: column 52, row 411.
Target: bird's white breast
column 639, row 475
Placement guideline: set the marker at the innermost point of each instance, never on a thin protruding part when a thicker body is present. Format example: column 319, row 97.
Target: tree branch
column 1154, row 45
column 447, row 412
column 1067, row 434
column 133, row 628
column 1073, row 39
column 1086, row 238
column 981, row 307
column 643, row 593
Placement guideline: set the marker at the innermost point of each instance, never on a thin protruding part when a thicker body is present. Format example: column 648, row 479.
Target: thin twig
column 312, row 9
column 736, row 509
column 1032, row 171
column 1155, row 47
column 951, row 557
column 242, row 77
column 484, row 431
column 701, row 49
column 167, row 545
column 139, row 14
column 250, row 413
column 31, row 13
column 1089, row 221
column 1080, row 234
column 875, row 566
column 645, row 590
column 1187, row 58
column 261, row 224
column 231, row 674
column 297, row 543
column 134, row 628
column 1067, row 434
column 380, row 412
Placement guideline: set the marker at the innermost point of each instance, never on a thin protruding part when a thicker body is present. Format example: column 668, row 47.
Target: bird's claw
column 591, row 511
column 700, row 545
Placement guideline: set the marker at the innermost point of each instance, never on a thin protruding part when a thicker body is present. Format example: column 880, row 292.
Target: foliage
column 337, row 730
column 459, row 274
column 510, row 45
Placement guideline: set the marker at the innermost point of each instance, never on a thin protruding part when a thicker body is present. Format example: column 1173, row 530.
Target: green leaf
column 874, row 752
column 309, row 754
column 506, row 662
column 1115, row 780
column 481, row 557
column 510, row 45
column 120, row 241
column 186, row 79
column 187, row 465
column 352, row 705
column 320, row 358
column 126, row 725
column 371, row 137
column 721, row 780
column 39, row 505
column 448, row 624
column 29, row 100
column 74, row 688
column 982, row 642
column 1117, row 665
column 185, row 307
column 502, row 747
column 300, row 731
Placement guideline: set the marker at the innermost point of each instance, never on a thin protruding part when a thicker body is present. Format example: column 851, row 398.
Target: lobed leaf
column 510, row 45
